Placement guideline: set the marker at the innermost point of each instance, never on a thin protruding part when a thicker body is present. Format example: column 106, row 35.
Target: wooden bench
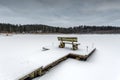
column 68, row 40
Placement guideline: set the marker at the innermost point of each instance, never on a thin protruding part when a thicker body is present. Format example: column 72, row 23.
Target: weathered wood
column 71, row 43
column 71, row 39
column 91, row 53
column 35, row 73
column 42, row 70
column 49, row 66
column 78, row 57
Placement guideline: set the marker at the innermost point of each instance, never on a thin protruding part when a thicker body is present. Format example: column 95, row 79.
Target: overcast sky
column 60, row 12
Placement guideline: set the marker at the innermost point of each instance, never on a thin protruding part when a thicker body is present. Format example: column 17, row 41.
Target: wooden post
column 87, row 48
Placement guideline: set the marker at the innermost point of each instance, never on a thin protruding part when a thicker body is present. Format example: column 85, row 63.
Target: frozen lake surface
column 21, row 54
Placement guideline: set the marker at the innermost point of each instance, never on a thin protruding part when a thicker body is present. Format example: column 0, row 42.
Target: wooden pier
column 42, row 70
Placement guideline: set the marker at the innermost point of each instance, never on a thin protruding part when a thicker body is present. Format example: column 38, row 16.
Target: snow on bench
column 68, row 40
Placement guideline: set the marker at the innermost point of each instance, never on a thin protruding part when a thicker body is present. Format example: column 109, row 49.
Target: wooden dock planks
column 42, row 70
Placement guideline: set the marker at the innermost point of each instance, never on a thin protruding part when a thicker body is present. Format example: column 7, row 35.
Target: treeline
column 39, row 28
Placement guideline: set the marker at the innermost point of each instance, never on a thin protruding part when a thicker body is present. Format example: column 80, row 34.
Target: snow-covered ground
column 21, row 54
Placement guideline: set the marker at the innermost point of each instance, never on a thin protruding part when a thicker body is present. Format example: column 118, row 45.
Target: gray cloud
column 60, row 12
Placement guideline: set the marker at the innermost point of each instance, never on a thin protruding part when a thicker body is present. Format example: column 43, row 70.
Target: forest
column 40, row 28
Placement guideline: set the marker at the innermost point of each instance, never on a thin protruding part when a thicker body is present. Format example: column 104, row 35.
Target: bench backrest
column 71, row 39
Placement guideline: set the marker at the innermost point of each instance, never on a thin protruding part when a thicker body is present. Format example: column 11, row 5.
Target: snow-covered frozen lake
column 19, row 54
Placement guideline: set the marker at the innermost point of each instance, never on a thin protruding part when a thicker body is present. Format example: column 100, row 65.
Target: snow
column 21, row 54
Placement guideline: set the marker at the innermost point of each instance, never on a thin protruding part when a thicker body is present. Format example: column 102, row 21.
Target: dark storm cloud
column 60, row 12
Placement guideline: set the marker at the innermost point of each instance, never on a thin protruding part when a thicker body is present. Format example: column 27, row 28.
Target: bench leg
column 75, row 46
column 62, row 45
